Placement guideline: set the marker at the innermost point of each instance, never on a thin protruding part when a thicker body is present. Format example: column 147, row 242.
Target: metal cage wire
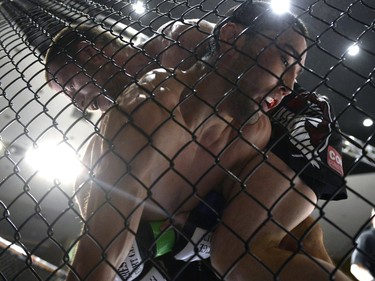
column 39, row 214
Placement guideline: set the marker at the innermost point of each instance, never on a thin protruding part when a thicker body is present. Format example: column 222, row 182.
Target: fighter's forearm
column 110, row 222
column 105, row 239
column 309, row 234
column 89, row 264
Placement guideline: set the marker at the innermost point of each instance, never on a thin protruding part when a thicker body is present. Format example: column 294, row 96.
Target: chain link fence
column 52, row 49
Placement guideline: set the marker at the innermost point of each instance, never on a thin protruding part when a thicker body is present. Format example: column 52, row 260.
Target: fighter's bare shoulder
column 175, row 28
column 158, row 88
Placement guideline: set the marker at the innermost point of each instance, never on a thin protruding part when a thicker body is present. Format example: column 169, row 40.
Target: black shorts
column 306, row 136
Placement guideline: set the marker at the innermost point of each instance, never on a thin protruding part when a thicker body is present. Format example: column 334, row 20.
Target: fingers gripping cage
column 111, row 54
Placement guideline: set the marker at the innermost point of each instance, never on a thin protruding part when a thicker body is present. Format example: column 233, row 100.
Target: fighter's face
column 85, row 92
column 276, row 62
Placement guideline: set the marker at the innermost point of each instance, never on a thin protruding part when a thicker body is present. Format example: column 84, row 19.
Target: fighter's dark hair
column 64, row 46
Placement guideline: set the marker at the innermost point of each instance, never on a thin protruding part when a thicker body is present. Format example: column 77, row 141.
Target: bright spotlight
column 139, row 7
column 353, row 50
column 54, row 161
column 368, row 122
column 280, row 6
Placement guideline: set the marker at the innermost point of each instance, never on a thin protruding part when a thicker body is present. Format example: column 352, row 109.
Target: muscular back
column 152, row 143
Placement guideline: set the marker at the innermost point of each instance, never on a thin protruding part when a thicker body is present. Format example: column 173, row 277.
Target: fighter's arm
column 120, row 180
column 82, row 186
column 308, row 234
column 179, row 41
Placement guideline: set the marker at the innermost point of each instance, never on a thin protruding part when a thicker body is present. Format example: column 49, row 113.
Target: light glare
column 139, row 7
column 353, row 50
column 280, row 6
column 54, row 161
column 368, row 122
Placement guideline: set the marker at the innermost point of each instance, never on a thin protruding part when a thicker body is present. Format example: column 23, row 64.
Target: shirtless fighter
column 226, row 119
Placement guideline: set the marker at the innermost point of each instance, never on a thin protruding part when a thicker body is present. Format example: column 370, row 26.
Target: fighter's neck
column 204, row 96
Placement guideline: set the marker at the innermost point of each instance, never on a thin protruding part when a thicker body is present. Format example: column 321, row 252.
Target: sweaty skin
column 171, row 55
column 128, row 62
column 188, row 142
column 153, row 145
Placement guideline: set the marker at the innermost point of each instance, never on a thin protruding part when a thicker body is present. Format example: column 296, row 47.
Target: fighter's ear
column 87, row 52
column 229, row 33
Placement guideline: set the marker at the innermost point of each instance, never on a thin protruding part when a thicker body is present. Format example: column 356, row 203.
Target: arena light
column 280, row 6
column 368, row 122
column 139, row 7
column 54, row 161
column 353, row 50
